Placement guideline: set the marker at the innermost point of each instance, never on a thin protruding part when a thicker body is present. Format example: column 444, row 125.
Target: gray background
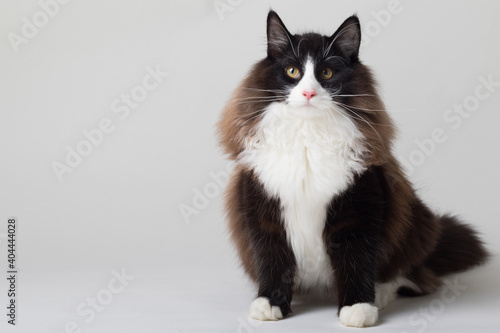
column 120, row 208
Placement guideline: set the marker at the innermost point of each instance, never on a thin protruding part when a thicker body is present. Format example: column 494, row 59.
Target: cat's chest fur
column 305, row 162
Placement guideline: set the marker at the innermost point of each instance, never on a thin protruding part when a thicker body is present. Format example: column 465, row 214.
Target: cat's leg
column 273, row 261
column 275, row 278
column 354, row 239
column 354, row 268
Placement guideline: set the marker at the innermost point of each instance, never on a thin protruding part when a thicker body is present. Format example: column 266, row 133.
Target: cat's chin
column 308, row 111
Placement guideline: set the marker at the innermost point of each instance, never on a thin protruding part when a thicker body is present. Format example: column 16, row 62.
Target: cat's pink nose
column 309, row 94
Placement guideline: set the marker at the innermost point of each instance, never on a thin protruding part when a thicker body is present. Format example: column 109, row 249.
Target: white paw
column 359, row 315
column 261, row 309
column 385, row 293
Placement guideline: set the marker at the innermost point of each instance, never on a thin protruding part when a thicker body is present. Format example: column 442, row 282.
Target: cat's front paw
column 261, row 309
column 359, row 315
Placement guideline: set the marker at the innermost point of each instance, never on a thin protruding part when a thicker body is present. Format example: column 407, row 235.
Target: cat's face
column 309, row 72
column 309, row 75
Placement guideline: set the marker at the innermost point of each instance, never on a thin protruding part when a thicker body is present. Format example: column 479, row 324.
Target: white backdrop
column 110, row 164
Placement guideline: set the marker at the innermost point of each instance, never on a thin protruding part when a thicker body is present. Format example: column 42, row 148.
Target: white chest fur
column 305, row 162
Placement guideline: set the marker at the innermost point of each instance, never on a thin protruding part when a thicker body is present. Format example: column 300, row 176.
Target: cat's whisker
column 349, row 120
column 258, row 114
column 349, row 108
column 258, row 98
column 358, row 95
column 251, row 116
column 254, row 112
column 343, row 115
column 372, row 110
column 248, row 98
column 268, row 90
column 261, row 101
column 356, row 115
column 337, row 91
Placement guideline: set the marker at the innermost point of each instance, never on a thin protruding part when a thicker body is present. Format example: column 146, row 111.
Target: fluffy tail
column 458, row 249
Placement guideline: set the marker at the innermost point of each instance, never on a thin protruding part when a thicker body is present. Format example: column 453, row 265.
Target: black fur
column 459, row 248
column 262, row 221
column 353, row 235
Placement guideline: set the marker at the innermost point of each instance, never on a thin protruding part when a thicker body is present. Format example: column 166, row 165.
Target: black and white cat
column 317, row 201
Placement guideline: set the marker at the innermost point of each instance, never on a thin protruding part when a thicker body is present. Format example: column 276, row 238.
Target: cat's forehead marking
column 308, row 81
column 309, row 66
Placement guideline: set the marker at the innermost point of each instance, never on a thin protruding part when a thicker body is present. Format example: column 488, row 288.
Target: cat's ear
column 278, row 37
column 348, row 37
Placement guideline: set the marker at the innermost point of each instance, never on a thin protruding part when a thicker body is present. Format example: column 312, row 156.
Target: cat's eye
column 292, row 72
column 326, row 73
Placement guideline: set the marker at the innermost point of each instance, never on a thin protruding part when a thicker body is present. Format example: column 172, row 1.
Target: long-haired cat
column 317, row 201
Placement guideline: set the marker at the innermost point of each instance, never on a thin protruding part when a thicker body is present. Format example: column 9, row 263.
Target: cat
column 317, row 202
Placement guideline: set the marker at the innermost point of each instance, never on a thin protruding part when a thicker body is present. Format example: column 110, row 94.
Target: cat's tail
column 458, row 249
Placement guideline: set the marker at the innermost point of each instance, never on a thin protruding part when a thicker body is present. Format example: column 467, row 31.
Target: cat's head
column 308, row 70
column 312, row 75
